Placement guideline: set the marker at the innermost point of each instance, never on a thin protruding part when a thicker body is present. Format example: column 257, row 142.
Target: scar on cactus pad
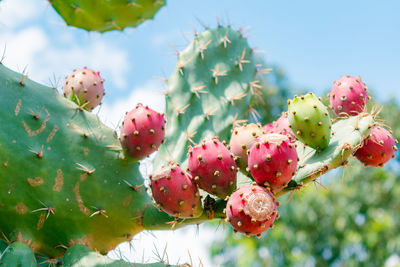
column 85, row 88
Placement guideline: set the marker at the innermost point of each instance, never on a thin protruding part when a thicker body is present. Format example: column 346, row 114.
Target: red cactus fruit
column 84, row 87
column 175, row 192
column 348, row 96
column 142, row 131
column 273, row 161
column 281, row 126
column 242, row 138
column 213, row 167
column 251, row 210
column 378, row 148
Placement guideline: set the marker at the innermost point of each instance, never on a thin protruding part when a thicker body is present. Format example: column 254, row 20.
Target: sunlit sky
column 313, row 41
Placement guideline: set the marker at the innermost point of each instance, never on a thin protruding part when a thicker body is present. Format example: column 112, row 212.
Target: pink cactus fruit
column 251, row 210
column 213, row 167
column 175, row 192
column 273, row 161
column 269, row 128
column 281, row 126
column 242, row 138
column 348, row 96
column 378, row 148
column 84, row 87
column 142, row 131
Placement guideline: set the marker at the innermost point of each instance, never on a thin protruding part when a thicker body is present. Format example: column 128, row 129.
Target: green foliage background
column 352, row 219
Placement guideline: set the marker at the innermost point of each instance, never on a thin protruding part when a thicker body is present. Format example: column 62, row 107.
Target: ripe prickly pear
column 281, row 126
column 378, row 148
column 213, row 167
column 269, row 128
column 348, row 96
column 251, row 210
column 242, row 138
column 273, row 161
column 310, row 121
column 142, row 131
column 84, row 87
column 175, row 192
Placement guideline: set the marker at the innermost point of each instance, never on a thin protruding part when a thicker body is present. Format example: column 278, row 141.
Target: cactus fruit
column 310, row 121
column 281, row 126
column 251, row 210
column 84, row 87
column 269, row 128
column 273, row 161
column 242, row 138
column 175, row 192
column 102, row 16
column 213, row 167
column 378, row 148
column 209, row 91
column 349, row 135
column 348, row 96
column 18, row 254
column 142, row 131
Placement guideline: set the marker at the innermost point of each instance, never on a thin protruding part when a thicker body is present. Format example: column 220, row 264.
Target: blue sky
column 314, row 41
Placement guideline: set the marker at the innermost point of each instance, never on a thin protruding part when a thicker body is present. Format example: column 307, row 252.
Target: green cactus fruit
column 208, row 92
column 106, row 15
column 18, row 254
column 310, row 121
column 348, row 137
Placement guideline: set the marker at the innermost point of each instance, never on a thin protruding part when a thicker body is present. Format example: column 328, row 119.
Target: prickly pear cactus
column 106, row 15
column 209, row 90
column 68, row 184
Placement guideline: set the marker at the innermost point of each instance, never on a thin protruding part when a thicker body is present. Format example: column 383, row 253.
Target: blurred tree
column 352, row 220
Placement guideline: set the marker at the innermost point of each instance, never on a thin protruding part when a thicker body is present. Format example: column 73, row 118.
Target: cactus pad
column 210, row 88
column 106, row 15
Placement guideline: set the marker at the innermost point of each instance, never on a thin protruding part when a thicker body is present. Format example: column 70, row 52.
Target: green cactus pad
column 347, row 138
column 18, row 254
column 310, row 121
column 209, row 89
column 64, row 180
column 106, row 15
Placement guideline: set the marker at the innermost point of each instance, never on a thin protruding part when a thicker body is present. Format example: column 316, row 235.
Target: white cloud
column 185, row 245
column 149, row 94
column 16, row 12
column 23, row 46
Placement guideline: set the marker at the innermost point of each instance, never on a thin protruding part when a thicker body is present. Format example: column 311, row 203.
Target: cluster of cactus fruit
column 81, row 185
column 269, row 155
